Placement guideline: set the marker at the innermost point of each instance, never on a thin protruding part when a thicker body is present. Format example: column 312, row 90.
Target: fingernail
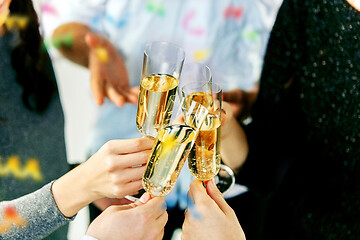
column 144, row 198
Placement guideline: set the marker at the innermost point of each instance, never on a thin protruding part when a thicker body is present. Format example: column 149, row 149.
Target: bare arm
column 107, row 68
column 234, row 145
column 78, row 51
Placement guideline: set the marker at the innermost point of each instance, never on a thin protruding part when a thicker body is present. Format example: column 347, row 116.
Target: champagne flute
column 162, row 65
column 204, row 158
column 171, row 148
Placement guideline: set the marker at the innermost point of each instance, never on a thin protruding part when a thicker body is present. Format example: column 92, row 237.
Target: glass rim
column 218, row 88
column 174, row 45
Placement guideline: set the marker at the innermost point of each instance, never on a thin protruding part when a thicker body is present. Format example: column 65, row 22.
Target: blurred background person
column 303, row 165
column 32, row 146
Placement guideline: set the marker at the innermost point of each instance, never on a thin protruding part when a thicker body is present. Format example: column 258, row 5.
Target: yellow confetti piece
column 102, row 54
column 32, row 169
column 22, row 22
column 13, row 167
column 201, row 55
column 5, row 227
column 16, row 22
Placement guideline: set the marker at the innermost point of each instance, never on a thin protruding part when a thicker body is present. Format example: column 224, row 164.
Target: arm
column 234, row 145
column 108, row 173
column 108, row 71
column 32, row 216
column 210, row 217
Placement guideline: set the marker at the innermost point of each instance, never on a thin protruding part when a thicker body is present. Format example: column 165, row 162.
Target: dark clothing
column 32, row 145
column 303, row 167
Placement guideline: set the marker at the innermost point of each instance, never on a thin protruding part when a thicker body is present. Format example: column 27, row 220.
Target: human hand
column 109, row 76
column 210, row 217
column 111, row 171
column 134, row 221
column 108, row 173
column 241, row 101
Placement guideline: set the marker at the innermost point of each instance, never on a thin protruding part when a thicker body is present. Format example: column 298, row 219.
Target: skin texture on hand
column 108, row 173
column 134, row 221
column 210, row 217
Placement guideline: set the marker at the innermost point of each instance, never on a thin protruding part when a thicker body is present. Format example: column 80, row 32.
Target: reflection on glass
column 171, row 148
column 162, row 65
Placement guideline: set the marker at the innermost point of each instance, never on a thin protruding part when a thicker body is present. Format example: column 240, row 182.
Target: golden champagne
column 204, row 158
column 168, row 156
column 156, row 102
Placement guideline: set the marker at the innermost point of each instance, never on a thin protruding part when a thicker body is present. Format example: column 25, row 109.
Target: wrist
column 71, row 192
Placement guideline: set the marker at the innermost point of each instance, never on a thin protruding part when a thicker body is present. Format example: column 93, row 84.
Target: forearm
column 234, row 145
column 75, row 49
column 32, row 216
column 73, row 192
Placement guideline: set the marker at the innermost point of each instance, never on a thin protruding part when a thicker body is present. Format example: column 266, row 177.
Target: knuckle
column 137, row 143
column 110, row 164
column 109, row 146
column 117, row 191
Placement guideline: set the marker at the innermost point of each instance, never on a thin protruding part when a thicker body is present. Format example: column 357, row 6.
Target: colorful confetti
column 13, row 168
column 11, row 218
column 186, row 23
column 66, row 40
column 155, row 7
column 102, row 54
column 49, row 9
column 16, row 22
column 233, row 12
column 201, row 55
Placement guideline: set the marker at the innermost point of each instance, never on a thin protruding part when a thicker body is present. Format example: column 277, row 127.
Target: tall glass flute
column 204, row 158
column 171, row 148
column 162, row 65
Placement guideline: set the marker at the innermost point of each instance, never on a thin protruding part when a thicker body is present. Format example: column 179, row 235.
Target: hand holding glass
column 204, row 158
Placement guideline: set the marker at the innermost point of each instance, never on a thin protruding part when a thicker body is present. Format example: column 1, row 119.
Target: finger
column 128, row 146
column 134, row 159
column 131, row 187
column 96, row 84
column 162, row 219
column 133, row 174
column 197, row 191
column 216, row 195
column 133, row 95
column 115, row 96
column 155, row 206
column 92, row 40
column 161, row 235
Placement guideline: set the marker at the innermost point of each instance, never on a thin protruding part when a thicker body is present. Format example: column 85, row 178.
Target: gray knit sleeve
column 32, row 216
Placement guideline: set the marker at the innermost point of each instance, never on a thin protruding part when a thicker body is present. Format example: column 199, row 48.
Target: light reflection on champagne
column 156, row 102
column 204, row 158
column 168, row 156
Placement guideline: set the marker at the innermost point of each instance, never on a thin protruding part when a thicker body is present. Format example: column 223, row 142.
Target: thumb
column 143, row 199
column 92, row 40
column 216, row 195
